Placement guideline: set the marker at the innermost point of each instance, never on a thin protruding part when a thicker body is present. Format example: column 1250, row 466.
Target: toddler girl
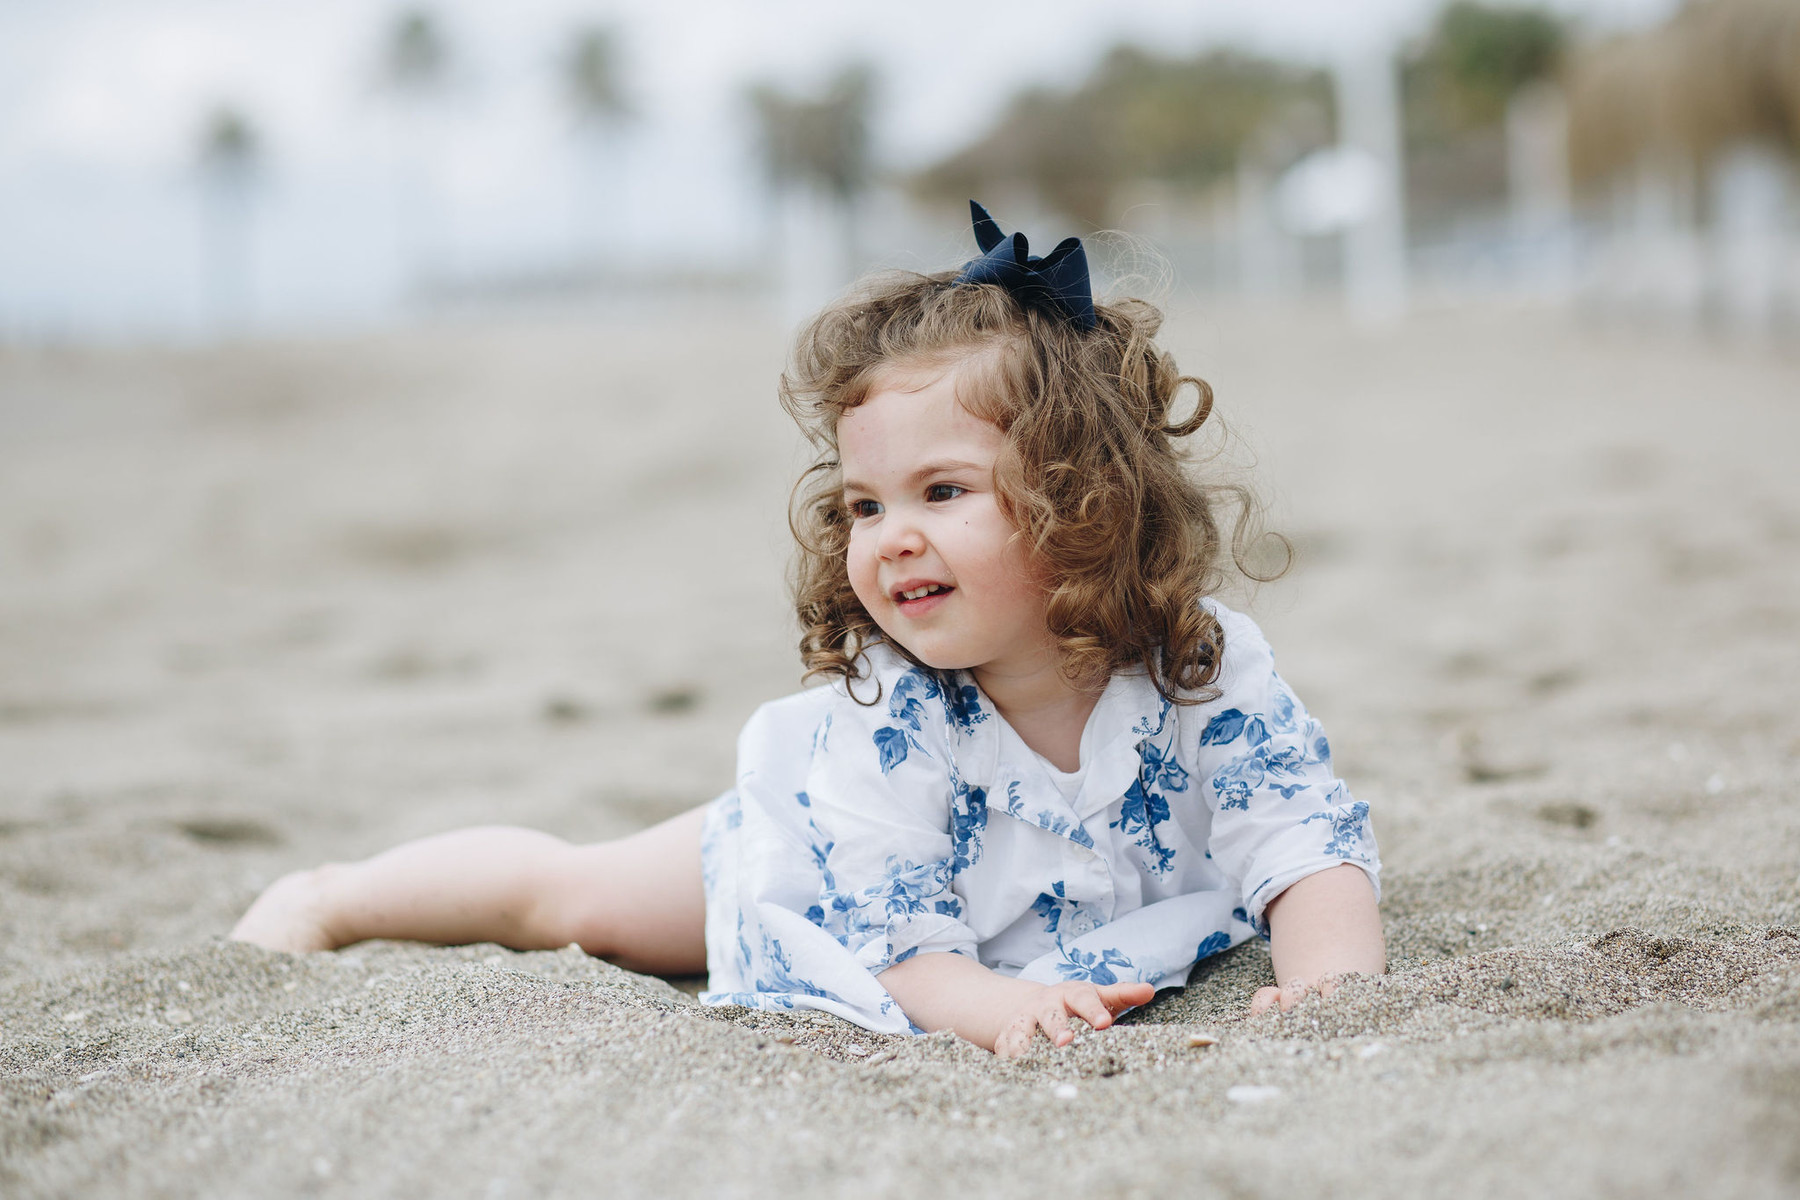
column 1049, row 773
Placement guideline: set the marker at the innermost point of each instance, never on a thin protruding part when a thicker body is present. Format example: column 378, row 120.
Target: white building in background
column 1721, row 249
column 1754, row 252
column 1367, row 83
column 1540, row 199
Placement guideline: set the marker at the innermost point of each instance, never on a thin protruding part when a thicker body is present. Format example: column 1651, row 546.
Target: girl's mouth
column 912, row 599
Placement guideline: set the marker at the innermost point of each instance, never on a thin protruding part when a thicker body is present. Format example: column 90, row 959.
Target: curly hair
column 1090, row 473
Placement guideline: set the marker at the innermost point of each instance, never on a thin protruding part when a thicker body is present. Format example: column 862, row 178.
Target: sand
column 269, row 605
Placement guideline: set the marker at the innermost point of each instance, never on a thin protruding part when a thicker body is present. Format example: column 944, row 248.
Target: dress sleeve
column 885, row 797
column 1279, row 814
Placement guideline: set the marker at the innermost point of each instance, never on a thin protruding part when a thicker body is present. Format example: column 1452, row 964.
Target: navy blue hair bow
column 1058, row 281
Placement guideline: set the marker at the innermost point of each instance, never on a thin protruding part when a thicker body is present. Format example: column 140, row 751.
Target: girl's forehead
column 958, row 387
column 970, row 366
column 913, row 375
column 914, row 419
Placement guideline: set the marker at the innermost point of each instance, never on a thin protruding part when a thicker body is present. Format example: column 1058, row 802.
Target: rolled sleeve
column 1327, row 837
column 1279, row 813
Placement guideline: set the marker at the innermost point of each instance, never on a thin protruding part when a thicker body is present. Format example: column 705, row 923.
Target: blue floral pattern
column 1046, row 819
column 906, row 706
column 776, row 983
column 774, row 969
column 1283, row 753
column 1146, row 806
column 1214, row 942
column 968, row 817
column 830, row 863
column 963, row 702
column 1102, row 967
column 1349, row 829
column 1053, row 906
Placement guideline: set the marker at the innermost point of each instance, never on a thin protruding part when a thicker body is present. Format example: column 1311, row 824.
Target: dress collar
column 991, row 755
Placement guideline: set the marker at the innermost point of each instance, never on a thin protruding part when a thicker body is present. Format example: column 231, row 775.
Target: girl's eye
column 864, row 508
column 944, row 491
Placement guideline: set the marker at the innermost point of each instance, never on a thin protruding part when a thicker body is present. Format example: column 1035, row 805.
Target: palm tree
column 230, row 154
column 1716, row 75
column 1698, row 117
column 1476, row 58
column 1187, row 122
column 417, row 59
column 821, row 145
column 594, row 88
column 415, row 70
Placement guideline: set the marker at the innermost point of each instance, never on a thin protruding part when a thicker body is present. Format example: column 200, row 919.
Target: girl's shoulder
column 1246, row 683
column 1249, row 708
column 1246, row 656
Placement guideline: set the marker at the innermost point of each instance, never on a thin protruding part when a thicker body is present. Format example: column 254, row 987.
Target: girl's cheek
column 859, row 565
column 856, row 550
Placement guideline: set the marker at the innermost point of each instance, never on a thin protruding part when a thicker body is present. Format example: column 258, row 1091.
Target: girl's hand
column 1323, row 927
column 1051, row 1007
column 1290, row 993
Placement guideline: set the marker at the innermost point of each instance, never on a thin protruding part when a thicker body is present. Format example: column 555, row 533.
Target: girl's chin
column 933, row 657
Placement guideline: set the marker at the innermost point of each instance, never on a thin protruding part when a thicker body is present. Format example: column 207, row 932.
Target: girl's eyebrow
column 942, row 466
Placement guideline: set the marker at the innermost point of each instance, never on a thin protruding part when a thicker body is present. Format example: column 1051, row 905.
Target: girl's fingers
column 1091, row 1006
column 1120, row 996
column 1289, row 994
column 1016, row 1038
column 1095, row 1005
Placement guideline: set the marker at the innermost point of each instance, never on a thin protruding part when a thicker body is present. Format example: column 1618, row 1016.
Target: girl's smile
column 917, row 599
column 931, row 557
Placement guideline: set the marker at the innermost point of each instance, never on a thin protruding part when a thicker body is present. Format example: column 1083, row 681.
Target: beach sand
column 265, row 606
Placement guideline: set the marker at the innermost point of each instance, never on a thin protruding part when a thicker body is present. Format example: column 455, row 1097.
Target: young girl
column 1049, row 773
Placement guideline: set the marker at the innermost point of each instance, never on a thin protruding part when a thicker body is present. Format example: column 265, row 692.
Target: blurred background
column 388, row 443
column 195, row 169
column 388, row 438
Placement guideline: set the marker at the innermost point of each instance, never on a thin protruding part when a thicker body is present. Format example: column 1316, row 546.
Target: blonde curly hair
column 1090, row 474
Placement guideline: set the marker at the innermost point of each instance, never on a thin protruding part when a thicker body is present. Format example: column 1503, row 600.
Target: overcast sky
column 101, row 102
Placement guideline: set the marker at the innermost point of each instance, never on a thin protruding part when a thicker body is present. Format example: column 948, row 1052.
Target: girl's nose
column 900, row 535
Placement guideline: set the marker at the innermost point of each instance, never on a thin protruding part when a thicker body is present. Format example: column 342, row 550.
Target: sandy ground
column 266, row 606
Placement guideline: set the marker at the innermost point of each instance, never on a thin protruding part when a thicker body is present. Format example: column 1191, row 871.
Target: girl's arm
column 1320, row 927
column 997, row 1012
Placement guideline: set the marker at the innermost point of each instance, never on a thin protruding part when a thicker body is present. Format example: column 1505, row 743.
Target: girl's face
column 931, row 557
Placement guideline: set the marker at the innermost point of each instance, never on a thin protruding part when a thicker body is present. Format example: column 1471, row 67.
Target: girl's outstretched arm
column 1000, row 1013
column 1320, row 927
column 637, row 900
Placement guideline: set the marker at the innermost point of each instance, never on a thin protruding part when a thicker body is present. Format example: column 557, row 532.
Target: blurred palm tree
column 415, row 64
column 230, row 157
column 820, row 143
column 592, row 76
column 1476, row 59
column 1696, row 124
column 1718, row 75
column 593, row 84
column 1139, row 116
column 1457, row 85
column 823, row 141
column 416, row 61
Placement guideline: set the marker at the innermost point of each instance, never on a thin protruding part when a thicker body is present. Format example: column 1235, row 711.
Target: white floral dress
column 860, row 835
